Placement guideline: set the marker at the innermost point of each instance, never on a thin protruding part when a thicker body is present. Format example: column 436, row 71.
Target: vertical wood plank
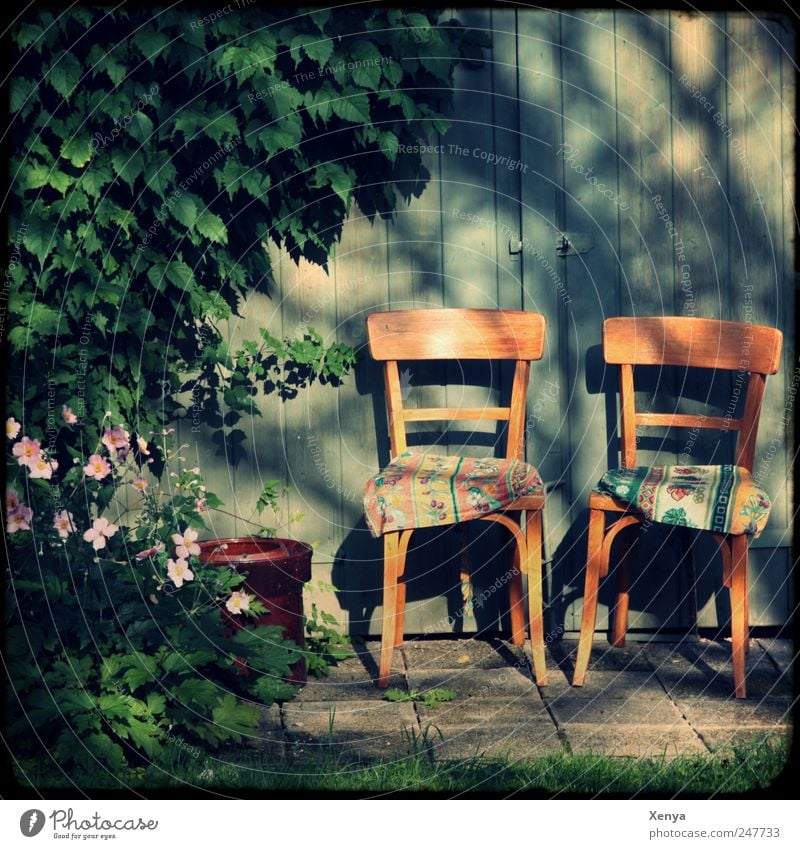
column 544, row 288
column 415, row 282
column 310, row 432
column 757, row 286
column 700, row 168
column 589, row 163
column 652, row 251
column 362, row 287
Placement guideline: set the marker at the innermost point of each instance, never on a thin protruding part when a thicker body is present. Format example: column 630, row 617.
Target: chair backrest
column 692, row 343
column 456, row 334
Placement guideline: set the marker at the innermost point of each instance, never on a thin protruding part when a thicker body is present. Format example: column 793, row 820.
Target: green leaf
column 77, row 150
column 59, row 181
column 107, row 752
column 93, row 179
column 144, row 672
column 195, row 691
column 141, row 127
column 184, row 210
column 39, row 236
column 160, row 173
column 150, row 42
column 64, row 76
column 393, row 72
column 115, row 706
column 20, row 90
column 354, row 109
column 156, row 703
column 127, row 165
column 75, row 701
column 180, row 274
column 146, row 736
column 269, row 690
column 235, row 716
column 26, row 34
column 35, row 175
column 212, row 227
column 319, row 50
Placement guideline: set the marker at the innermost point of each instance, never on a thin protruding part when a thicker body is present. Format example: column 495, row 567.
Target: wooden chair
column 682, row 342
column 463, row 334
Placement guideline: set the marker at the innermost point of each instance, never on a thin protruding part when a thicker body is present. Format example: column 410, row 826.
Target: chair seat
column 723, row 499
column 428, row 490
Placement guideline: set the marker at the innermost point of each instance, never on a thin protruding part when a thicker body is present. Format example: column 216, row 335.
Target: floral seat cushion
column 426, row 490
column 724, row 499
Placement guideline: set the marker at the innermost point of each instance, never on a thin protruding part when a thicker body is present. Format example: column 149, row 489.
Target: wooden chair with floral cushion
column 426, row 490
column 723, row 500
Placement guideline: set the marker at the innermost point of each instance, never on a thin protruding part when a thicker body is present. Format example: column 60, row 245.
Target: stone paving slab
column 366, row 659
column 475, row 682
column 604, row 710
column 704, row 712
column 462, row 654
column 485, row 712
column 782, row 652
column 618, row 684
column 706, row 670
column 604, row 656
column 650, row 699
column 637, row 741
column 347, row 685
column 372, row 729
column 723, row 738
column 529, row 740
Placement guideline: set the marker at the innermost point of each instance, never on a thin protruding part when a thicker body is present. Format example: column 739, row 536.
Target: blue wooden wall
column 600, row 163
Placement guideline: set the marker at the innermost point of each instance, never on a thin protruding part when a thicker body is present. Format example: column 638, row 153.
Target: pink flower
column 43, row 468
column 187, row 541
column 237, row 603
column 12, row 498
column 149, row 552
column 142, row 443
column 68, row 416
column 12, row 428
column 100, row 530
column 27, row 451
column 200, row 504
column 19, row 519
column 97, row 467
column 115, row 438
column 139, row 484
column 63, row 523
column 179, row 571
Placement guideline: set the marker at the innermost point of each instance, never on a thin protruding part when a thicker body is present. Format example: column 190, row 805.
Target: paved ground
column 645, row 700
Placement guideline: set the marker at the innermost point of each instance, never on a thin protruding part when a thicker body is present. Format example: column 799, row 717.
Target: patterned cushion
column 425, row 490
column 725, row 499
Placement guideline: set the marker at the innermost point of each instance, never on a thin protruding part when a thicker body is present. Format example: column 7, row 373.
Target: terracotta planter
column 276, row 571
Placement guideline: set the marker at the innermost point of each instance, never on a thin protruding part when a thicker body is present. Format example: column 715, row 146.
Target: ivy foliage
column 157, row 153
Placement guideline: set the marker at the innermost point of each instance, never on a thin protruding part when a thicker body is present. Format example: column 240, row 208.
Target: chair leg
column 533, row 557
column 597, row 523
column 620, row 620
column 391, row 568
column 400, row 604
column 517, row 614
column 739, row 612
column 400, row 613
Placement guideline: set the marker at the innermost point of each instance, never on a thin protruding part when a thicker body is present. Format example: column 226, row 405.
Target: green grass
column 740, row 769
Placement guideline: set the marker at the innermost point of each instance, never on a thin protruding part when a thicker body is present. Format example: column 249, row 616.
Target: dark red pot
column 276, row 571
